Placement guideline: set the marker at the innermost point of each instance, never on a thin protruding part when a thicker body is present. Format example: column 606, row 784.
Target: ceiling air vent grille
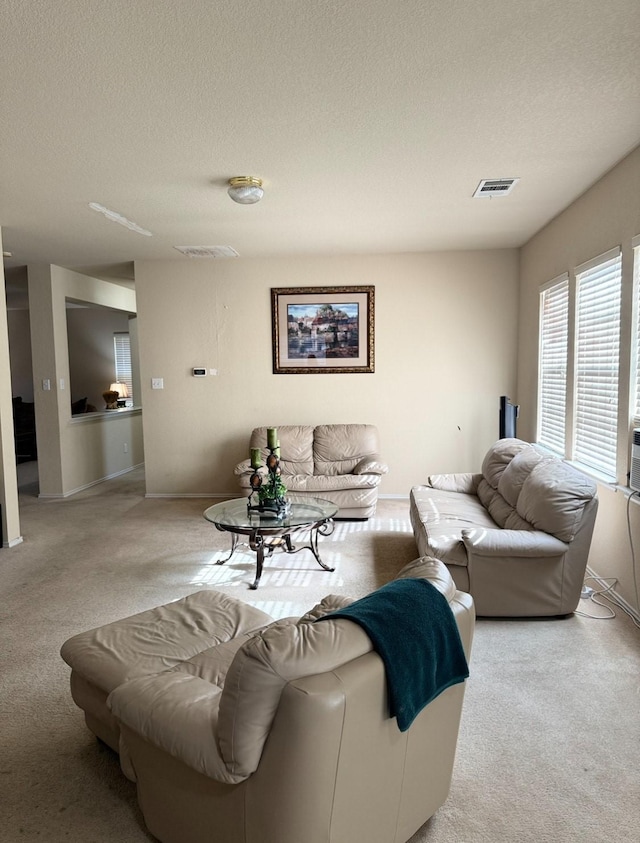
column 494, row 187
column 207, row 251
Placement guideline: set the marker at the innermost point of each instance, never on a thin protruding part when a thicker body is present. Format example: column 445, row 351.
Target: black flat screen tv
column 508, row 417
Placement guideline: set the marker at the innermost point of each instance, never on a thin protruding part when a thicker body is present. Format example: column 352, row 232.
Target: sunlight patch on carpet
column 279, row 608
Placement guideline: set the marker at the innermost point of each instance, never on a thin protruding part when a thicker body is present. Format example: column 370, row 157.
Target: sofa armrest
column 243, row 467
column 178, row 713
column 466, row 483
column 370, row 465
column 516, row 543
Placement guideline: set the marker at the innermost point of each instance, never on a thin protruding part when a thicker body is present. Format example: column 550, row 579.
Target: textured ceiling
column 370, row 121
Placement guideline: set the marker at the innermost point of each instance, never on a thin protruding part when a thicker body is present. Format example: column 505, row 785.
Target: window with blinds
column 552, row 375
column 598, row 292
column 122, row 354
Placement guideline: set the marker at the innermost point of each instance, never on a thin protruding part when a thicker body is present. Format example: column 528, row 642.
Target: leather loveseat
column 240, row 729
column 337, row 462
column 516, row 535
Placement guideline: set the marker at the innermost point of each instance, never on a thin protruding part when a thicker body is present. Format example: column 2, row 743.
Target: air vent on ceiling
column 494, row 187
column 207, row 251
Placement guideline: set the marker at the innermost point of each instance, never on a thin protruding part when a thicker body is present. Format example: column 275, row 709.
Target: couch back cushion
column 516, row 472
column 281, row 653
column 296, row 447
column 491, row 487
column 553, row 498
column 338, row 448
column 498, row 458
column 288, row 650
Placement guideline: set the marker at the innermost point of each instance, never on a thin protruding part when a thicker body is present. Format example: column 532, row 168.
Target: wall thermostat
column 199, row 373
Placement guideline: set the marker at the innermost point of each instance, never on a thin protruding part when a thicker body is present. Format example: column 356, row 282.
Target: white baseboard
column 13, row 542
column 93, row 483
column 213, row 495
column 393, row 497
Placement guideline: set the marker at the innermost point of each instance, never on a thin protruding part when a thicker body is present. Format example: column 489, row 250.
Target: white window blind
column 122, row 353
column 597, row 359
column 552, row 375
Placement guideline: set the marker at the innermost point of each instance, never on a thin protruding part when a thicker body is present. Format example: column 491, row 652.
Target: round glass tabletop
column 304, row 511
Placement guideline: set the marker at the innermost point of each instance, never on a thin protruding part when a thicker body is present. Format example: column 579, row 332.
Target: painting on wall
column 322, row 330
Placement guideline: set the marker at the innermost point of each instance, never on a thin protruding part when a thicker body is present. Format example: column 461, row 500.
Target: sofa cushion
column 515, row 474
column 494, row 503
column 338, row 448
column 213, row 664
column 160, row 638
column 286, row 651
column 281, row 653
column 316, row 484
column 296, row 447
column 504, row 470
column 553, row 498
column 498, row 458
column 444, row 515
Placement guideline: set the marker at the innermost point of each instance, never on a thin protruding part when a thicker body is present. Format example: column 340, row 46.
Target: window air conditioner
column 634, row 481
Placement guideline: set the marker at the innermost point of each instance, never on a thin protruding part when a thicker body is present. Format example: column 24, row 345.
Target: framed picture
column 322, row 330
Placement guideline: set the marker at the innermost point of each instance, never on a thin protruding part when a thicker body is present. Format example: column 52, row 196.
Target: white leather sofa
column 238, row 729
column 337, row 462
column 516, row 535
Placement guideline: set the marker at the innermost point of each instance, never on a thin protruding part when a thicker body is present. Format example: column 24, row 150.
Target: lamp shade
column 121, row 389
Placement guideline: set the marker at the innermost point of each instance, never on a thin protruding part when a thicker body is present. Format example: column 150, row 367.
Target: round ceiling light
column 246, row 190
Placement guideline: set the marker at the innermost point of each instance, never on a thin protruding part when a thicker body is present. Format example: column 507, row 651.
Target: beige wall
column 10, row 522
column 74, row 453
column 445, row 350
column 606, row 216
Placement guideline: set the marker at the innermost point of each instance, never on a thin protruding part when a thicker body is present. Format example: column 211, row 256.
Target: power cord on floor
column 591, row 593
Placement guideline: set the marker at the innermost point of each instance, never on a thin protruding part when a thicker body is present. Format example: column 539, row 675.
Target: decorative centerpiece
column 270, row 489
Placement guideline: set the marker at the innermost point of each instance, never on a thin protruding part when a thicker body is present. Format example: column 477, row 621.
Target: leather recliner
column 278, row 735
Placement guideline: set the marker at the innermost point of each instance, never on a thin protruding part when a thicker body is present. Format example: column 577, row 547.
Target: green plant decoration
column 273, row 489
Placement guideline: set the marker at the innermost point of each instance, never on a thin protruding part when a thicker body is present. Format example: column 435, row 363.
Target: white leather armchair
column 274, row 736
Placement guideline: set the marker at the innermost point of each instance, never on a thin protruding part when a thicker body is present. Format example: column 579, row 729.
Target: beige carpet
column 550, row 738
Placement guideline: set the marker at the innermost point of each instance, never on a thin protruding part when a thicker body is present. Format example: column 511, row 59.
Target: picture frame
column 323, row 330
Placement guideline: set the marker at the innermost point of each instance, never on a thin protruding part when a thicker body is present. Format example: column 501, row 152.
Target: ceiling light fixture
column 246, row 190
column 114, row 216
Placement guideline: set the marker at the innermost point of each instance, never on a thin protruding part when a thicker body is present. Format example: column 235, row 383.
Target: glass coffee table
column 267, row 533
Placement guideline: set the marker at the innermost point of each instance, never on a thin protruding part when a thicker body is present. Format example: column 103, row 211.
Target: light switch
column 157, row 383
column 46, row 384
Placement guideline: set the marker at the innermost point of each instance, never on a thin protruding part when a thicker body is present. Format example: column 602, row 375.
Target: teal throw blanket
column 412, row 628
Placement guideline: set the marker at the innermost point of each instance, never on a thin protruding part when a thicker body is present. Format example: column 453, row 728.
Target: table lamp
column 123, row 393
